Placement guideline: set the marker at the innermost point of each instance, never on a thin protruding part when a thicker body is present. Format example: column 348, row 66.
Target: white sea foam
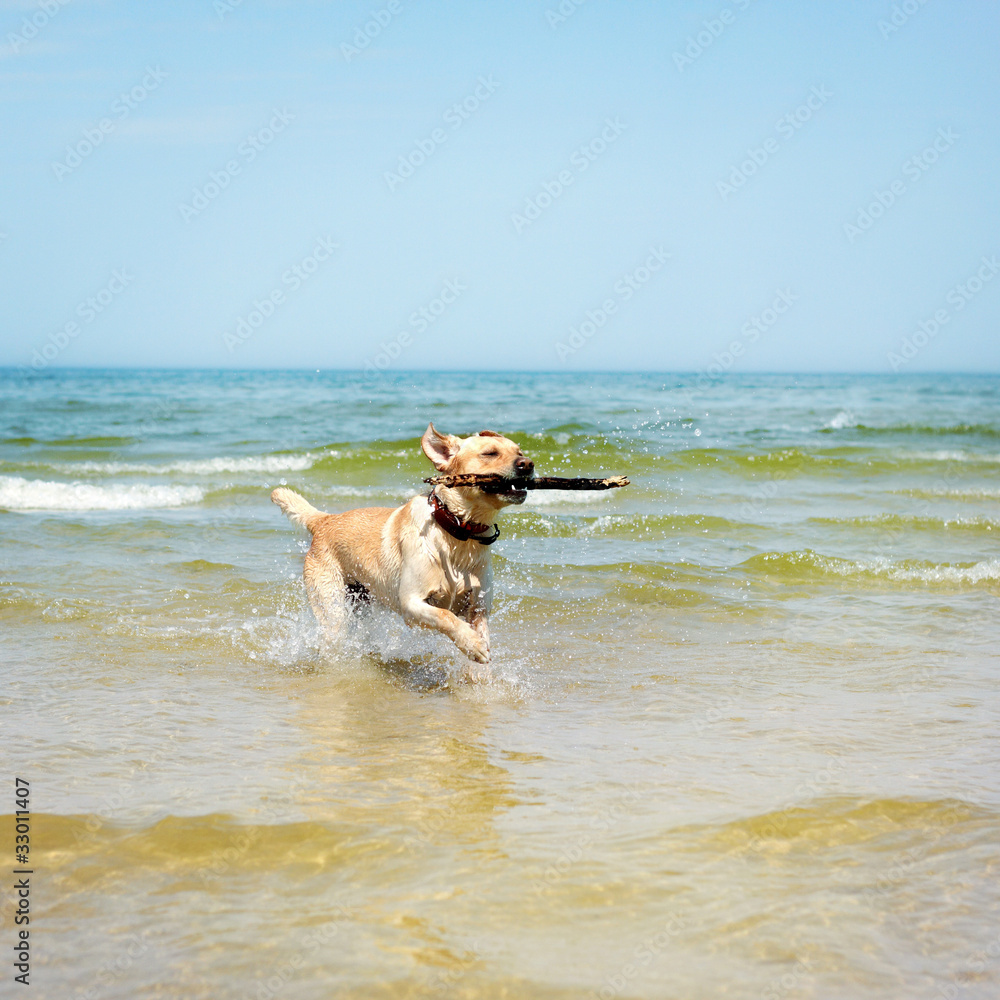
column 840, row 421
column 971, row 493
column 980, row 572
column 944, row 455
column 385, row 495
column 193, row 467
column 560, row 437
column 35, row 494
column 564, row 498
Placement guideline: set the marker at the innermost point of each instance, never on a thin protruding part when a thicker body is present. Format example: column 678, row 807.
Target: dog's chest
column 462, row 577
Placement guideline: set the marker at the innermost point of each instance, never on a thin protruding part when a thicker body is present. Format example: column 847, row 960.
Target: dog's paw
column 476, row 674
column 476, row 648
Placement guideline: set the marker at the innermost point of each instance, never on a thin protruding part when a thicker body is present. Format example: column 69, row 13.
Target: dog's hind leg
column 327, row 592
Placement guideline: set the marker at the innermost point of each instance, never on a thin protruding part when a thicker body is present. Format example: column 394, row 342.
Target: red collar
column 456, row 527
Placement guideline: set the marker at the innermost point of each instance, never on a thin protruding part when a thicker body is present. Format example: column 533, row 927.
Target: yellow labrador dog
column 428, row 560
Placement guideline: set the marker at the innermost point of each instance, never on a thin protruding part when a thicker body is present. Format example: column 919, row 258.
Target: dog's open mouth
column 510, row 489
column 514, row 494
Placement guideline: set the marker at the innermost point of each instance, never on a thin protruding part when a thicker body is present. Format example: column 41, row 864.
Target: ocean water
column 740, row 740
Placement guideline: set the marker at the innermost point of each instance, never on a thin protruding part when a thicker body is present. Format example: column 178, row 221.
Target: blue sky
column 760, row 185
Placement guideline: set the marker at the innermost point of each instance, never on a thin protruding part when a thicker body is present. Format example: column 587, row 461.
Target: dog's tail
column 300, row 510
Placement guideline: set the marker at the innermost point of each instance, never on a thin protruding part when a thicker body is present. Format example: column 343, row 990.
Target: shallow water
column 740, row 739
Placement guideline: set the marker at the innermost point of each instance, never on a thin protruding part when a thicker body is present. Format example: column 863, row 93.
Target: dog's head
column 484, row 453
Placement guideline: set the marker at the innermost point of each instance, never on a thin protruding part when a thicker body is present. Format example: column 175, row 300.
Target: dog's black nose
column 524, row 466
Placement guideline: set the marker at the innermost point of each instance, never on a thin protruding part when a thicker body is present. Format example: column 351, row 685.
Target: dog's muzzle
column 524, row 468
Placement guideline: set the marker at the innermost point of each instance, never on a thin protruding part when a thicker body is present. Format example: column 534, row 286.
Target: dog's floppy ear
column 439, row 448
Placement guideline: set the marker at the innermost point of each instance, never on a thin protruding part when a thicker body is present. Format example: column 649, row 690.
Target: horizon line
column 389, row 372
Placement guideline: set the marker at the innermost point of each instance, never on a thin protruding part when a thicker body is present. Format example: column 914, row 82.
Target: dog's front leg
column 469, row 640
column 480, row 625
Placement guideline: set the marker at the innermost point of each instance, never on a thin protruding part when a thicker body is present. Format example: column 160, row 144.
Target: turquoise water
column 740, row 739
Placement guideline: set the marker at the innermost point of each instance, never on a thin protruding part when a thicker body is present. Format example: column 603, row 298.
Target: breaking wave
column 192, row 467
column 808, row 565
column 33, row 494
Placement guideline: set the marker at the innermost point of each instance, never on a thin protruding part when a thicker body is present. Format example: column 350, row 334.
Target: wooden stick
column 493, row 483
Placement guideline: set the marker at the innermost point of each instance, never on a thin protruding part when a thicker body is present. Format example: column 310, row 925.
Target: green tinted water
column 740, row 740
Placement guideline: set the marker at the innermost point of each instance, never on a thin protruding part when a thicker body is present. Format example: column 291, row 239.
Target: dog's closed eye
column 492, row 453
